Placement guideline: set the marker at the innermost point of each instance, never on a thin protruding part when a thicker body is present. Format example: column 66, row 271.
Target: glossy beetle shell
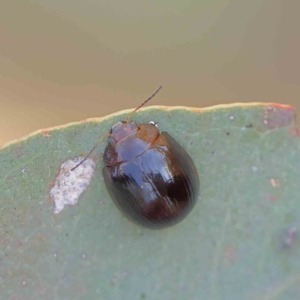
column 149, row 176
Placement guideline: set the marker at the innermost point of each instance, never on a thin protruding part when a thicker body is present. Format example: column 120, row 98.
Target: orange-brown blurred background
column 63, row 61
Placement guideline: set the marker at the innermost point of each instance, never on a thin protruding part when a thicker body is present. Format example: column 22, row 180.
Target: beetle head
column 122, row 129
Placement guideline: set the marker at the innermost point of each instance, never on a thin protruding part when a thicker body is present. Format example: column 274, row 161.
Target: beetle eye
column 115, row 126
column 153, row 123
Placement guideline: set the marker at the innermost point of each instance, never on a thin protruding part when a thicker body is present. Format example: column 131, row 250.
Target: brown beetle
column 149, row 176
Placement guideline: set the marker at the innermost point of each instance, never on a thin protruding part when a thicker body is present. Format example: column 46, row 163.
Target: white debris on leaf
column 70, row 184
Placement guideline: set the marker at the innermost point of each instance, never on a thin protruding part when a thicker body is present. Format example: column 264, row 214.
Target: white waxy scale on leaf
column 69, row 185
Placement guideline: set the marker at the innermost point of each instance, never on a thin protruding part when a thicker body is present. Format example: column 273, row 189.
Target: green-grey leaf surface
column 239, row 242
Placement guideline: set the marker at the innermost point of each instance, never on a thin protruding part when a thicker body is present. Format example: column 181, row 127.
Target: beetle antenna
column 107, row 134
column 96, row 145
column 141, row 105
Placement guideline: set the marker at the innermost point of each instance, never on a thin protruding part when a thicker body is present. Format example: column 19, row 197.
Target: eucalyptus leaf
column 239, row 242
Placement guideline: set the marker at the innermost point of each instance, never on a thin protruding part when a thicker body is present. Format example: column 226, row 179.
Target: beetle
column 149, row 175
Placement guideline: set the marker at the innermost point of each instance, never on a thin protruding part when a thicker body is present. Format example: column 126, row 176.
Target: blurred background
column 63, row 61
